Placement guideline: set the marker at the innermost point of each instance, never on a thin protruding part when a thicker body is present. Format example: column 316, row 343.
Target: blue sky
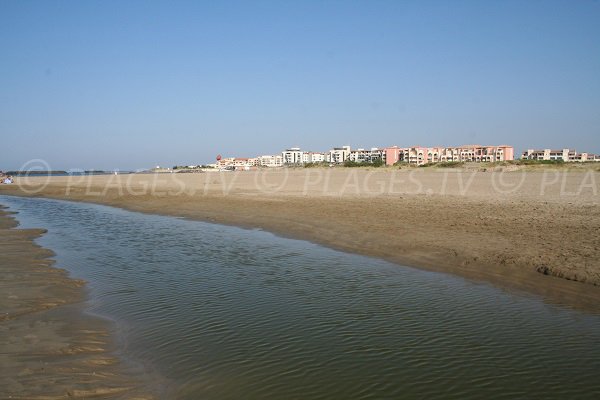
column 128, row 84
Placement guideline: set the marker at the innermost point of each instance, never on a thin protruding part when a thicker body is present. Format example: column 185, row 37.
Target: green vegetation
column 188, row 167
column 450, row 164
column 536, row 162
column 34, row 172
column 444, row 164
column 401, row 164
column 375, row 163
column 316, row 164
column 185, row 167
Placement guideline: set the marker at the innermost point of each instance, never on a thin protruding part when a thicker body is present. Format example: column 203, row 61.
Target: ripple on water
column 227, row 313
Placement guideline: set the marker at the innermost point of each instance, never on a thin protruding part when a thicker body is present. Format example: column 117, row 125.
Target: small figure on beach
column 7, row 179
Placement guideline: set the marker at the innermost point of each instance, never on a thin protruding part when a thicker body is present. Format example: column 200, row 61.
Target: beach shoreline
column 516, row 239
column 52, row 348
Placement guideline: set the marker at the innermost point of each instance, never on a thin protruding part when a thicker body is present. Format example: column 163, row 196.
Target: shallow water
column 227, row 313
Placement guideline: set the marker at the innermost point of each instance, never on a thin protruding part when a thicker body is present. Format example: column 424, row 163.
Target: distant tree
column 378, row 162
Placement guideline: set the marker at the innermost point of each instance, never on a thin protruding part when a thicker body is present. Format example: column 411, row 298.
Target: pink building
column 468, row 153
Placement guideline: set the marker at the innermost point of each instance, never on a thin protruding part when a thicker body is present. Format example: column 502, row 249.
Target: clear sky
column 128, row 84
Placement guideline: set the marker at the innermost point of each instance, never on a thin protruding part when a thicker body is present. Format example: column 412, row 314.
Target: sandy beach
column 520, row 229
column 50, row 349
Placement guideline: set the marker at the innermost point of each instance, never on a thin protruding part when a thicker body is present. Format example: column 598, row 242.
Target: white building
column 338, row 155
column 368, row 156
column 376, row 154
column 295, row 156
column 312, row 157
column 292, row 156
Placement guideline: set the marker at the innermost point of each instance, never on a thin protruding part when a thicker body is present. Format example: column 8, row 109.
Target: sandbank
column 532, row 231
column 51, row 349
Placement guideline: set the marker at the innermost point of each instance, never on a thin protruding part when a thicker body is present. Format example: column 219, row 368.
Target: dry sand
column 49, row 349
column 518, row 229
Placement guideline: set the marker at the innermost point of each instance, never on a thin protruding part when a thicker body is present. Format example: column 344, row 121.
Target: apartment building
column 225, row 162
column 566, row 155
column 469, row 153
column 292, row 156
column 546, row 154
column 368, row 156
column 390, row 155
column 312, row 157
column 238, row 163
column 296, row 156
column 583, row 157
column 270, row 161
column 338, row 155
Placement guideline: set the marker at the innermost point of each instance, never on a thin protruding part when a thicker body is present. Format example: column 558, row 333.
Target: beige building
column 238, row 163
column 566, row 155
column 270, row 161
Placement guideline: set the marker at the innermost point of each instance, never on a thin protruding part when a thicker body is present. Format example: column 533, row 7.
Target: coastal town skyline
column 84, row 86
column 388, row 155
column 392, row 155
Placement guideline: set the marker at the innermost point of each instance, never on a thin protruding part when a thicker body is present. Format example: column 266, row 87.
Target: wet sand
column 50, row 349
column 519, row 230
